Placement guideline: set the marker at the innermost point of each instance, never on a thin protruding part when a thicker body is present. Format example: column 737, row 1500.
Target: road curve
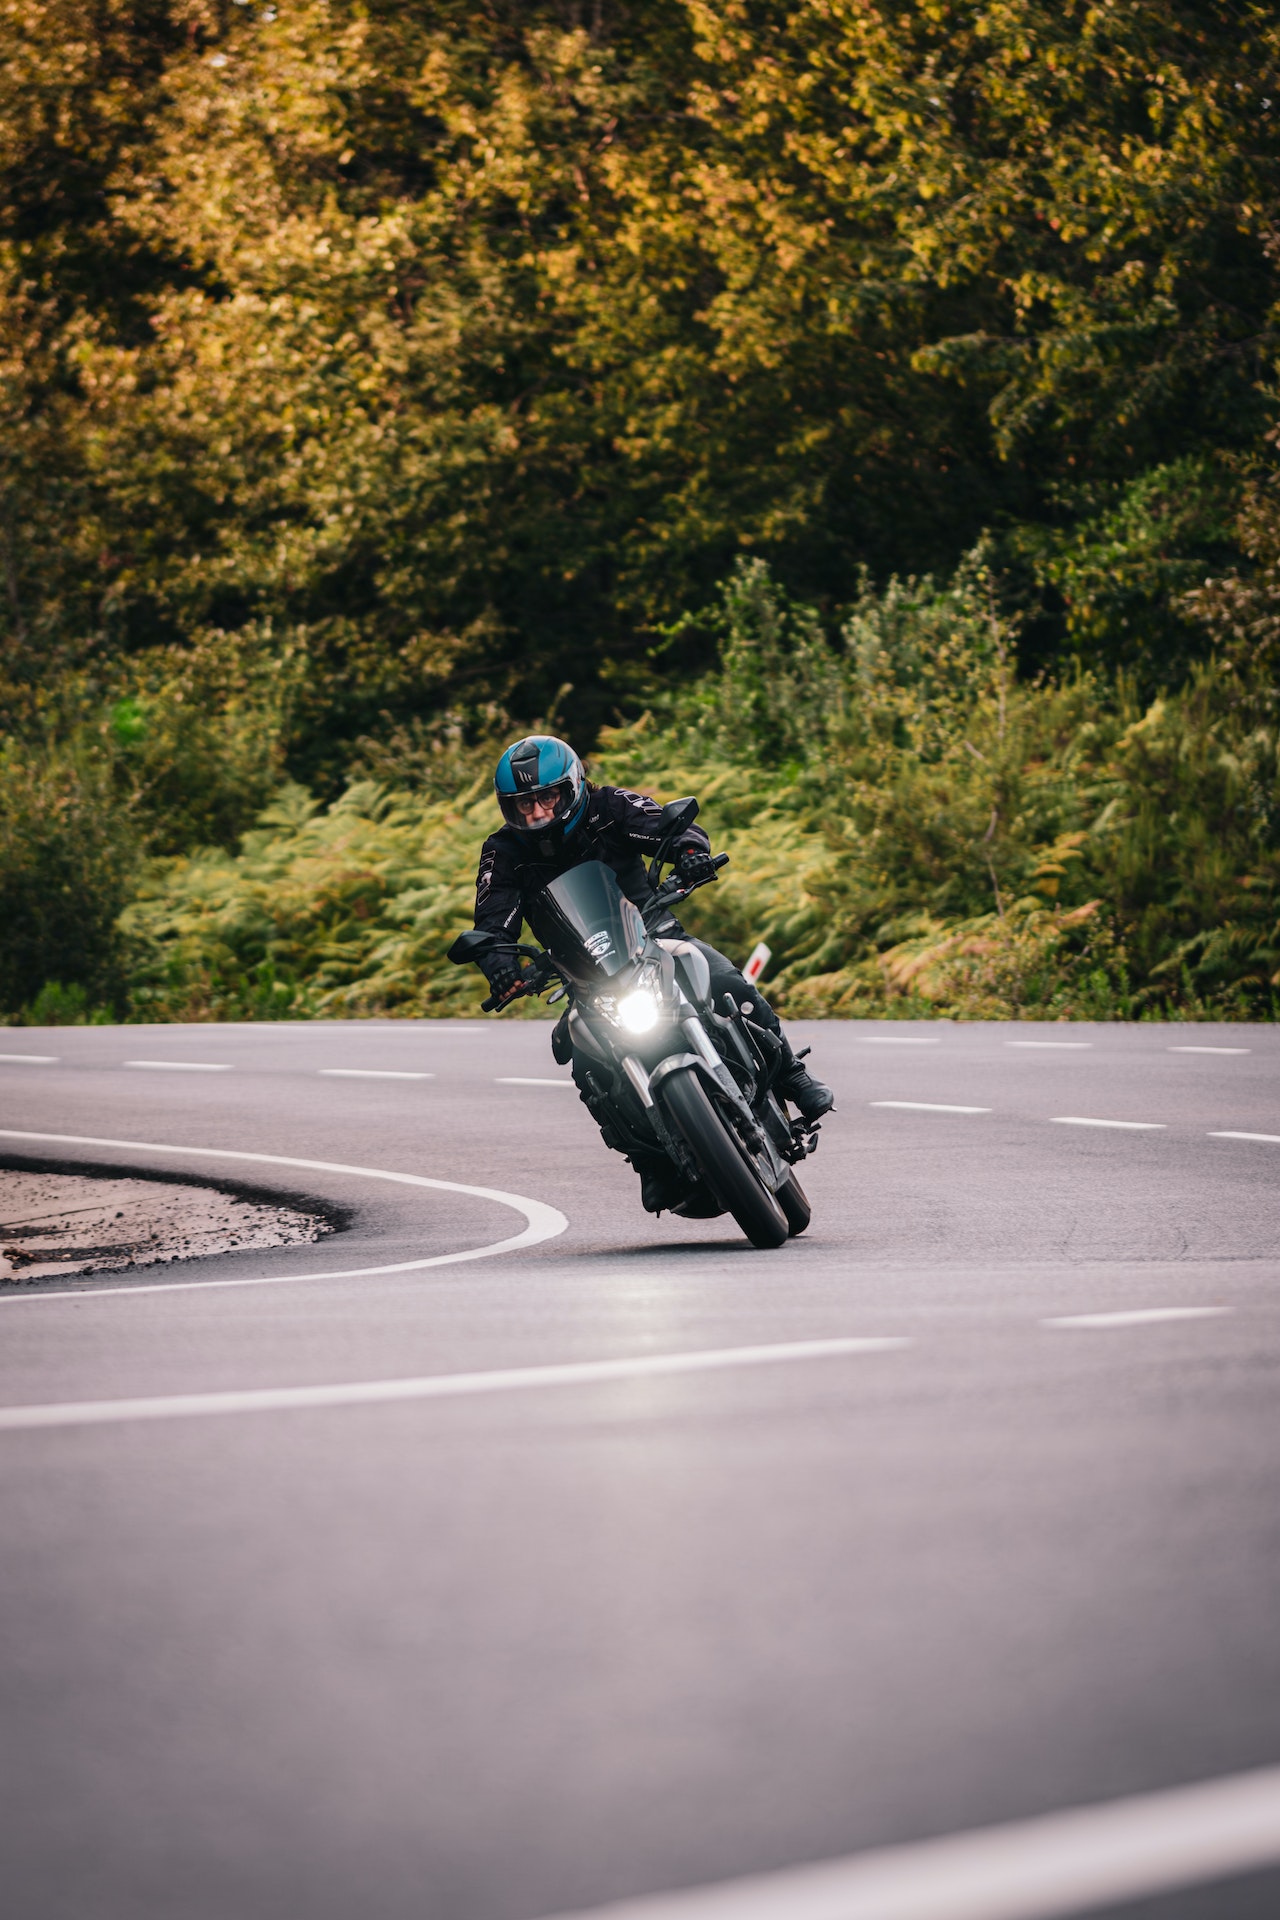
column 543, row 1560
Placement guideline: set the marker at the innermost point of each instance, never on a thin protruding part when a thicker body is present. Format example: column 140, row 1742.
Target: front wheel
column 722, row 1160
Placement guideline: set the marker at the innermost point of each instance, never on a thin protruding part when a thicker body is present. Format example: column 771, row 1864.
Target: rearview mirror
column 471, row 945
column 677, row 815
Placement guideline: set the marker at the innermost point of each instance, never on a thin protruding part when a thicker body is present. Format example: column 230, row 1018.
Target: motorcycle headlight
column 638, row 1011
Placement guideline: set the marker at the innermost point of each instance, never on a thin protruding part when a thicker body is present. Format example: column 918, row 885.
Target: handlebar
column 535, row 978
column 532, row 980
column 673, row 891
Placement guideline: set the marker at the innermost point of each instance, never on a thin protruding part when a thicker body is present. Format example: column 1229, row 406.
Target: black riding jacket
column 618, row 827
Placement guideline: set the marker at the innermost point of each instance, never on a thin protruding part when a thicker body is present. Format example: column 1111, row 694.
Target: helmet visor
column 538, row 808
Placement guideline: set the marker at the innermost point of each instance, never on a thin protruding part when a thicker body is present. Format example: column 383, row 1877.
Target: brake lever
column 531, row 982
column 671, row 893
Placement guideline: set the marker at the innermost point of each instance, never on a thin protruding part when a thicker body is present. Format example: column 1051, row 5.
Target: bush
column 912, row 830
column 948, row 839
column 66, row 853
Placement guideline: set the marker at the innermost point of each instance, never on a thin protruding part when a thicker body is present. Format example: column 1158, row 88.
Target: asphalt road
column 536, row 1642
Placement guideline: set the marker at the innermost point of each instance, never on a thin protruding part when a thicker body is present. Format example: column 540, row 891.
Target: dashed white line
column 181, row 1066
column 1270, row 1139
column 1062, row 1863
column 1128, row 1126
column 1071, row 1046
column 369, row 1073
column 1134, row 1316
column 926, row 1106
column 900, row 1039
column 514, row 1080
column 1209, row 1049
column 542, row 1222
column 436, row 1386
column 30, row 1059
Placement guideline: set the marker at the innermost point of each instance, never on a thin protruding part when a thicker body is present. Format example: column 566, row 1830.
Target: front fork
column 760, row 1053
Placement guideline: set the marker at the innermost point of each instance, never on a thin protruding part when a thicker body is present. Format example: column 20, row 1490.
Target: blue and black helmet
column 535, row 774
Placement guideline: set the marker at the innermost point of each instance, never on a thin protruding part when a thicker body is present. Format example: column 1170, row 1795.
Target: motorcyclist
column 554, row 817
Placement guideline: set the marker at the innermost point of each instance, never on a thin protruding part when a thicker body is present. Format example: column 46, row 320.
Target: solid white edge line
column 541, row 1221
column 369, row 1073
column 182, row 1066
column 1134, row 1316
column 1040, row 1869
column 1271, row 1139
column 925, row 1106
column 1127, row 1126
column 439, row 1386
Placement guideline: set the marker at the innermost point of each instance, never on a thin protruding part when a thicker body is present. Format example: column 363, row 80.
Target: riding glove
column 503, row 972
column 693, row 866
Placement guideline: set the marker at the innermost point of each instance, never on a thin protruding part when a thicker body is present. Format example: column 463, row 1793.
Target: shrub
column 66, row 853
column 912, row 830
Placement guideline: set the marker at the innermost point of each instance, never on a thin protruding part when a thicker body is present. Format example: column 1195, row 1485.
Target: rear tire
column 794, row 1202
column 722, row 1160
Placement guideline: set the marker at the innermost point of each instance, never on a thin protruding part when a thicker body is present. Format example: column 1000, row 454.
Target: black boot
column 796, row 1084
column 661, row 1187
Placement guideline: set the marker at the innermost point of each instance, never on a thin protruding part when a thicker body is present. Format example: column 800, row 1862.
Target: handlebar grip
column 720, row 860
column 496, row 1001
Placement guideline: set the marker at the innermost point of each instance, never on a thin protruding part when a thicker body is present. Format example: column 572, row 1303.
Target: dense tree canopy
column 446, row 352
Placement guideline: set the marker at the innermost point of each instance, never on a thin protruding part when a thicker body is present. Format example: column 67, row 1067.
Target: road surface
column 364, row 1579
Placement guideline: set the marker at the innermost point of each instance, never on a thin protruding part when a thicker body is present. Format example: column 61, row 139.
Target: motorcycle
column 659, row 1066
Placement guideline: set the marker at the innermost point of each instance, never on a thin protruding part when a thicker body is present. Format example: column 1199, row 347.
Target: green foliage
column 370, row 372
column 343, row 910
column 459, row 349
column 1122, row 569
column 942, row 839
column 197, row 745
column 1241, row 609
column 66, row 854
column 769, row 700
column 59, row 1006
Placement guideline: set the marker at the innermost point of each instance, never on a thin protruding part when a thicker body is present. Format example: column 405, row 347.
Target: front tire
column 722, row 1160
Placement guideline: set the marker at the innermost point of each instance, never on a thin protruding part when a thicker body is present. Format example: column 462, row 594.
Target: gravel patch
column 61, row 1223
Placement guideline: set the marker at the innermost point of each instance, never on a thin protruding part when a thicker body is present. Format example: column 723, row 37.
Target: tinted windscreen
column 587, row 921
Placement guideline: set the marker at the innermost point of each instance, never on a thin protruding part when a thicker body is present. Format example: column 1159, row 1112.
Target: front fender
column 674, row 1063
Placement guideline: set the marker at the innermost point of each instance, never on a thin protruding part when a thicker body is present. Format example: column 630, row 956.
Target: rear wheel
column 723, row 1160
column 795, row 1204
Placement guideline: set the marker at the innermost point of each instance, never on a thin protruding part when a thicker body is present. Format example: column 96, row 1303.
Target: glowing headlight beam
column 638, row 1012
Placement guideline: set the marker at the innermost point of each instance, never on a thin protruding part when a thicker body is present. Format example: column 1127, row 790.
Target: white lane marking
column 541, row 1221
column 1062, row 1863
column 1271, row 1139
column 926, row 1106
column 181, row 1066
column 1074, row 1046
column 369, row 1073
column 1129, row 1126
column 1210, row 1049
column 514, row 1080
column 31, row 1059
column 435, row 1386
column 900, row 1039
column 1134, row 1316
column 307, row 1029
